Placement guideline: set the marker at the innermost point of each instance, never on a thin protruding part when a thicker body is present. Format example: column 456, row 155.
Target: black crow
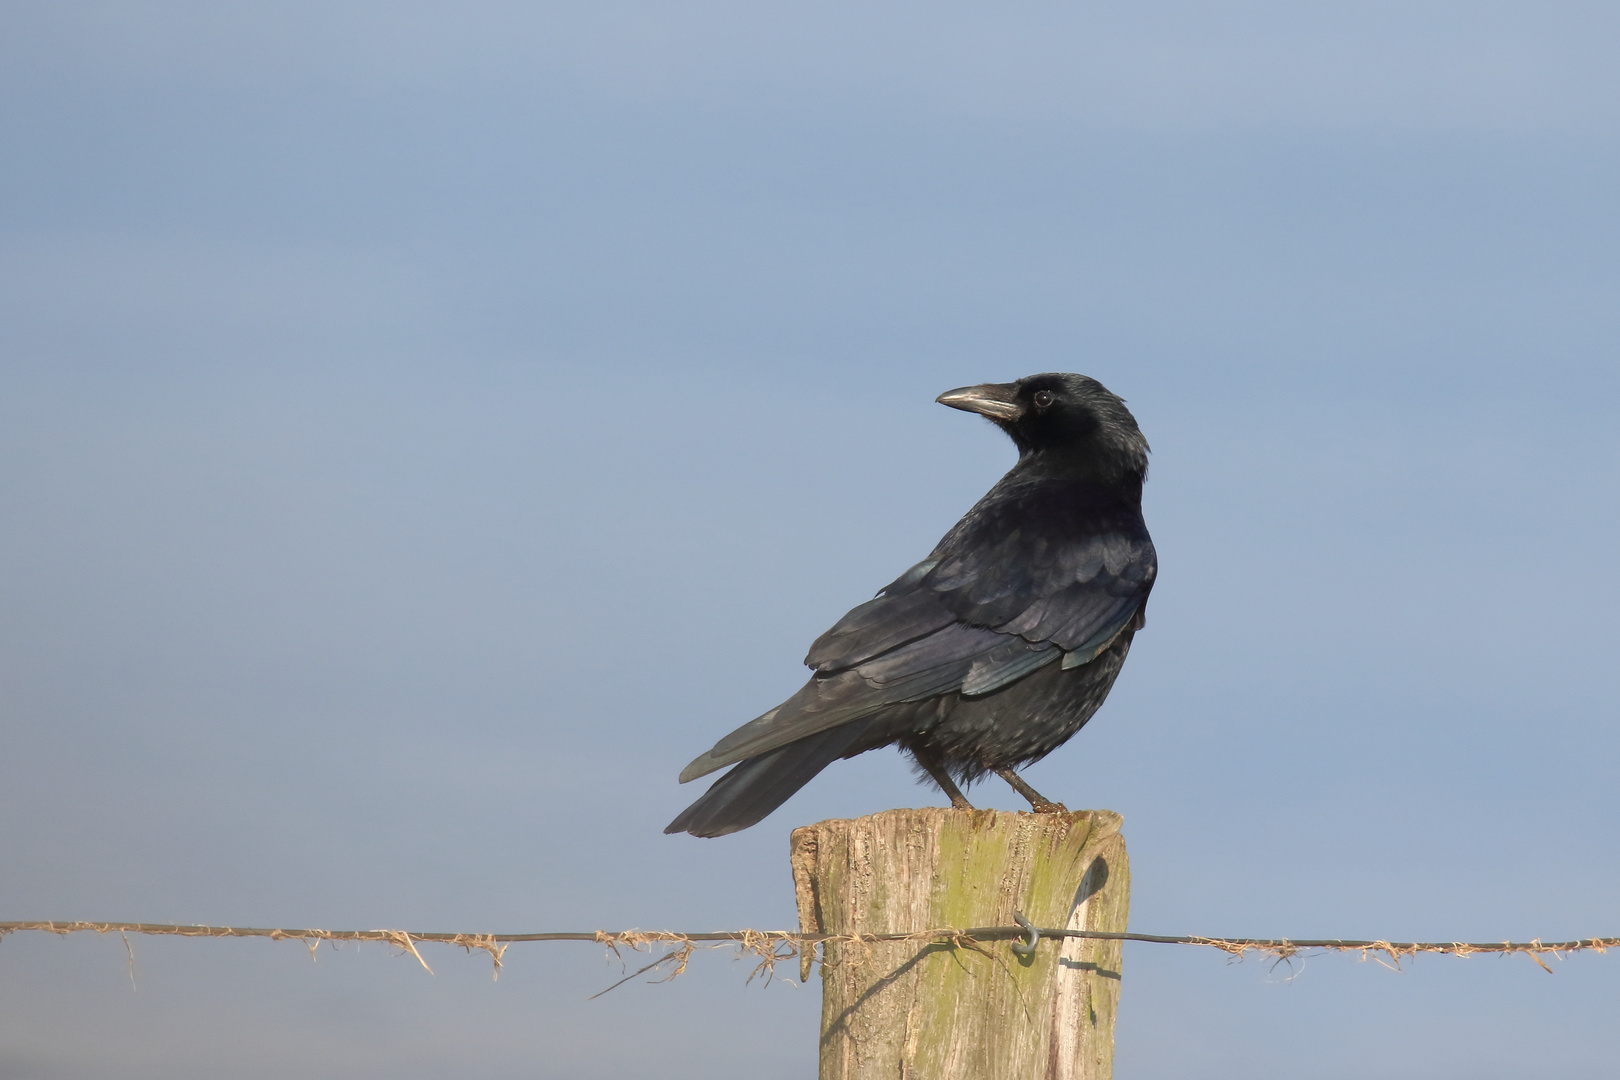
column 991, row 652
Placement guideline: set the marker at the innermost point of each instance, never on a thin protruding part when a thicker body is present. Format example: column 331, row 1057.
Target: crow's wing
column 1038, row 572
column 1057, row 562
column 1062, row 562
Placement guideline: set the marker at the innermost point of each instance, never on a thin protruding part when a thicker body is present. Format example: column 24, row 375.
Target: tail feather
column 758, row 785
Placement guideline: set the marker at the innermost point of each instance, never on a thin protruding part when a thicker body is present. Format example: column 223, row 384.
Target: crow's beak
column 998, row 401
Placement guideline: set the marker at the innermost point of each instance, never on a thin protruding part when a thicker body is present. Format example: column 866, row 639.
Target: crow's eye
column 1043, row 398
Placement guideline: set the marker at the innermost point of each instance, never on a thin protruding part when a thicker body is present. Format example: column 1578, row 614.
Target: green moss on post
column 937, row 1011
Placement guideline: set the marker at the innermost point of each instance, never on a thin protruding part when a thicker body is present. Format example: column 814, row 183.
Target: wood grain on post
column 937, row 1010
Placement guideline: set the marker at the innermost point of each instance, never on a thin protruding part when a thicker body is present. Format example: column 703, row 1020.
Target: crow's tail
column 760, row 784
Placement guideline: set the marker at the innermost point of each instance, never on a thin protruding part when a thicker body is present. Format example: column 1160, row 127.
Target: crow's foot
column 936, row 771
column 1037, row 802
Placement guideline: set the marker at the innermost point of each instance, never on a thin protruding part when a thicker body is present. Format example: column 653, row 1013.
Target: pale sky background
column 424, row 427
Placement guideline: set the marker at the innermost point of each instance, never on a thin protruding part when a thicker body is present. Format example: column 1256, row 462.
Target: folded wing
column 1044, row 572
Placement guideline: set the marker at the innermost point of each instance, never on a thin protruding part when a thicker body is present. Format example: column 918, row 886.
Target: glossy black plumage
column 994, row 650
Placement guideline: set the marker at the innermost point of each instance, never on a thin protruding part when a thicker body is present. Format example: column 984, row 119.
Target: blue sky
column 424, row 427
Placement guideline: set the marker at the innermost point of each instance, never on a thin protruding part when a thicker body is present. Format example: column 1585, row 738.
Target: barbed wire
column 776, row 945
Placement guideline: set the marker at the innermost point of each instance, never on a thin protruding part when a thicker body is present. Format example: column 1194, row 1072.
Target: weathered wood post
column 934, row 1010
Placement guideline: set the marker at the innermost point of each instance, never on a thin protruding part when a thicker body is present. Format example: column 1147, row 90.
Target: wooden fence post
column 934, row 1010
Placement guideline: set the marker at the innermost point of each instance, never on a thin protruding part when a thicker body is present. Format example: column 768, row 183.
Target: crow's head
column 1069, row 420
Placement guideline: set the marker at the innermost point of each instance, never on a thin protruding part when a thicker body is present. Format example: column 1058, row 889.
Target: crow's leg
column 931, row 765
column 1038, row 802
